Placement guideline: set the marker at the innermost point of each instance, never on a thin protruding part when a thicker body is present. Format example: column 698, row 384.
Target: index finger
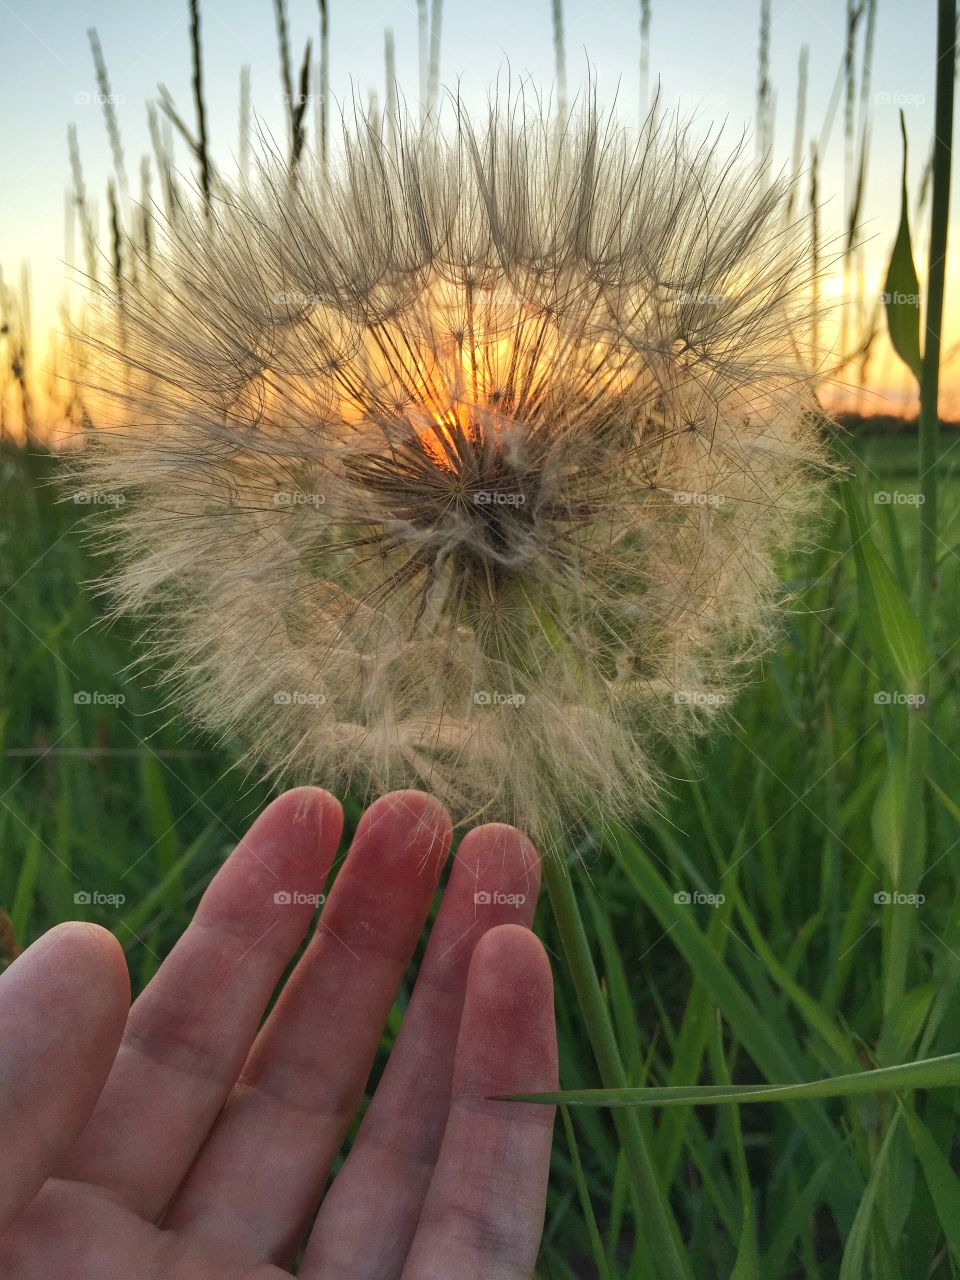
column 189, row 1033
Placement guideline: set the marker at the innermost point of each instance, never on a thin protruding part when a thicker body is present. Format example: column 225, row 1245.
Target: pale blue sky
column 704, row 53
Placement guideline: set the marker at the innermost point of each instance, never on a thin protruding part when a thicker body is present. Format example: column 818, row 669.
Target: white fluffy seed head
column 464, row 466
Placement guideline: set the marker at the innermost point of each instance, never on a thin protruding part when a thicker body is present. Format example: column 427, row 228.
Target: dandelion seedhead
column 463, row 466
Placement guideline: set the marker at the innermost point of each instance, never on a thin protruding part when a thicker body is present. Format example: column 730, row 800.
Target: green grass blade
column 942, row 1181
column 928, row 1073
column 886, row 603
column 902, row 289
column 746, row 1266
column 586, row 1205
column 853, row 1266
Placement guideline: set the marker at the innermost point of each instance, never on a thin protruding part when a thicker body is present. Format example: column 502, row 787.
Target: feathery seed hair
column 464, row 466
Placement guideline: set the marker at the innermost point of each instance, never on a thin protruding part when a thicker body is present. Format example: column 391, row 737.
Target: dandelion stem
column 661, row 1230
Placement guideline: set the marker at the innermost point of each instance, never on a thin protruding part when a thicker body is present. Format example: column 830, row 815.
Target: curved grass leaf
column 929, row 1073
column 901, row 296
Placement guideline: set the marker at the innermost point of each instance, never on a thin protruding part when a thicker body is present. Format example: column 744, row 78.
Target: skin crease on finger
column 495, row 1035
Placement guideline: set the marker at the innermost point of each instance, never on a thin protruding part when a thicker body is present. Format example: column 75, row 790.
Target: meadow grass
column 791, row 816
column 826, row 791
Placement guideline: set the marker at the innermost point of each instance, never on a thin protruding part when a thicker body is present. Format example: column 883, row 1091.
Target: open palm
column 180, row 1139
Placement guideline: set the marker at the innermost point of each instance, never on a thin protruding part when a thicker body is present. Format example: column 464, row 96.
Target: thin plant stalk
column 202, row 147
column 560, row 57
column 324, row 82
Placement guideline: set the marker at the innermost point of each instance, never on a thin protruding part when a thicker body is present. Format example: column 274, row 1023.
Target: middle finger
column 257, row 1179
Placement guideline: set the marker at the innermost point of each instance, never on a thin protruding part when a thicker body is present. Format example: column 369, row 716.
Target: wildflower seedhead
column 464, row 466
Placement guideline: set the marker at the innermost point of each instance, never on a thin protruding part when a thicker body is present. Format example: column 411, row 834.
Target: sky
column 703, row 53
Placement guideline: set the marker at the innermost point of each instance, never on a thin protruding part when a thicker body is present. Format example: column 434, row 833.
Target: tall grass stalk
column 764, row 89
column 390, row 97
column 913, row 856
column 324, row 82
column 108, row 103
column 82, row 206
column 936, row 274
column 202, row 147
column 560, row 59
column 644, row 85
column 244, row 150
column 423, row 54
column 433, row 78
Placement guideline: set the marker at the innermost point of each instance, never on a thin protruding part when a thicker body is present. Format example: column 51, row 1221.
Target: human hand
column 174, row 1141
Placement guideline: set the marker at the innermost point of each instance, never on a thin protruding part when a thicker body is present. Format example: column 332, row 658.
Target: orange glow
column 433, row 438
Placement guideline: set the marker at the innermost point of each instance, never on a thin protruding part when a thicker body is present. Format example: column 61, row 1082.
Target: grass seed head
column 465, row 466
